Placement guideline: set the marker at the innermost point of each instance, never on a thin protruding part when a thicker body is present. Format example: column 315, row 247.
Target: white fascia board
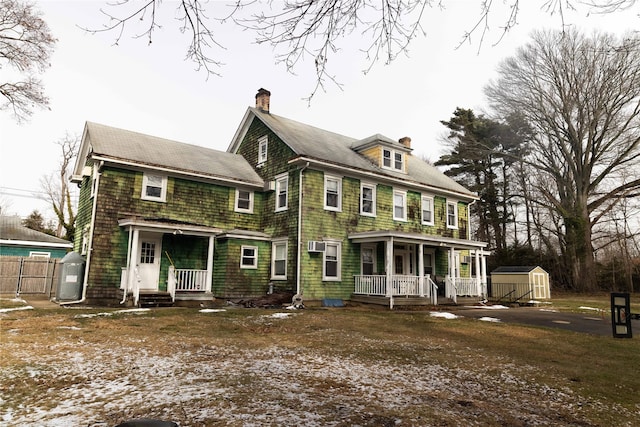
column 243, row 127
column 191, row 230
column 32, row 243
column 373, row 236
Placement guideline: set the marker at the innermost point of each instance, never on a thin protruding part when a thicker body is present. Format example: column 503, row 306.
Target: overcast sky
column 151, row 89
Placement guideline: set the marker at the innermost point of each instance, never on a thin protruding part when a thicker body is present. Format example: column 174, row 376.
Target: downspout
column 298, row 284
column 94, row 208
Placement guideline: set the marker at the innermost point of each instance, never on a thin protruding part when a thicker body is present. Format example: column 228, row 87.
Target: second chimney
column 263, row 97
column 406, row 141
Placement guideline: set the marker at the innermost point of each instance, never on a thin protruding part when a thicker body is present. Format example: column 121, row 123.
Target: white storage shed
column 520, row 282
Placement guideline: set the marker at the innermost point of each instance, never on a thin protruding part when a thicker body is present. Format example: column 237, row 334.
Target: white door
column 539, row 286
column 149, row 250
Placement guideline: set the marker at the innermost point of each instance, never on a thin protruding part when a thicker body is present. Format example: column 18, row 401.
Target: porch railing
column 401, row 285
column 190, row 280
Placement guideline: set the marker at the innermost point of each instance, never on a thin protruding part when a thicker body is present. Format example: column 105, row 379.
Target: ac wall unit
column 270, row 186
column 315, row 246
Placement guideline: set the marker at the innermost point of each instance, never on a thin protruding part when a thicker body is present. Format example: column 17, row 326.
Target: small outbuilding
column 520, row 283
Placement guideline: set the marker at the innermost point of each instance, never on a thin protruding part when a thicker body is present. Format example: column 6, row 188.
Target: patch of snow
column 279, row 315
column 7, row 310
column 489, row 307
column 590, row 308
column 212, row 310
column 549, row 310
column 111, row 313
column 490, row 319
column 443, row 314
column 73, row 328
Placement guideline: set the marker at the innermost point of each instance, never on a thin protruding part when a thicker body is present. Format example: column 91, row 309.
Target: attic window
column 263, row 144
column 392, row 159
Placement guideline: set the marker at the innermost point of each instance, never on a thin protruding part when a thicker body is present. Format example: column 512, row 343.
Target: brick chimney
column 262, row 100
column 406, row 141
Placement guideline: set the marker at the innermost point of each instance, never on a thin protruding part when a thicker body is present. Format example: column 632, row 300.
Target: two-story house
column 287, row 207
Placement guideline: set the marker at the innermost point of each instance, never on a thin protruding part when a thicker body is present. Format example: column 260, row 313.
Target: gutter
column 298, row 284
column 90, row 245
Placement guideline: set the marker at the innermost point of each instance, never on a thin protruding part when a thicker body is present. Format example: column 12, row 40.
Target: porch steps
column 155, row 299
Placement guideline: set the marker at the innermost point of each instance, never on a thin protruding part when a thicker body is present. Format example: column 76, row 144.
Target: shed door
column 539, row 286
column 149, row 251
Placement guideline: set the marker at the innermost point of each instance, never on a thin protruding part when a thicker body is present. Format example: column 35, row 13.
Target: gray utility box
column 71, row 277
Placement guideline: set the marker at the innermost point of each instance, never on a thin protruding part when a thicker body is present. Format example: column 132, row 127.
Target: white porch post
column 421, row 268
column 483, row 261
column 452, row 259
column 478, row 274
column 389, row 265
column 133, row 261
column 210, row 264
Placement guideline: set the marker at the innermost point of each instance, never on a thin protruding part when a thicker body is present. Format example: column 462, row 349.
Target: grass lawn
column 348, row 366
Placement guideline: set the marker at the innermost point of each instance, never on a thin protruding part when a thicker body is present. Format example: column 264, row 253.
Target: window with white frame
column 85, row 241
column 244, row 201
column 332, row 193
column 263, row 144
column 400, row 205
column 392, row 159
column 282, row 197
column 39, row 254
column 249, row 257
column 94, row 179
column 367, row 199
column 368, row 259
column 279, row 260
column 452, row 214
column 331, row 261
column 427, row 210
column 154, row 187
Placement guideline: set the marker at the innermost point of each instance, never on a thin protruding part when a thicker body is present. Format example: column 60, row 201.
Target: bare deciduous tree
column 26, row 43
column 582, row 97
column 316, row 29
column 56, row 187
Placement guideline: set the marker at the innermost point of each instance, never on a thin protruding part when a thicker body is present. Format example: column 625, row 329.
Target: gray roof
column 515, row 269
column 323, row 145
column 145, row 150
column 11, row 228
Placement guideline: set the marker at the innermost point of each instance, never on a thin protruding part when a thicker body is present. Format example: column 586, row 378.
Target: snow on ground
column 489, row 307
column 490, row 319
column 7, row 310
column 212, row 310
column 443, row 314
column 112, row 313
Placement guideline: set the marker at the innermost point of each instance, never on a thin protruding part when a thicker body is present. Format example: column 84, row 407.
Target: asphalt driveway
column 596, row 323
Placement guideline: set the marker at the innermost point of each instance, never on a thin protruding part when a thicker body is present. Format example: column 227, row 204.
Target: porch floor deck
column 411, row 300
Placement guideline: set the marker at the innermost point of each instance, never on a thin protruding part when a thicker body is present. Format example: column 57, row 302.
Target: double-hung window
column 279, row 260
column 400, row 205
column 154, row 187
column 244, row 201
column 249, row 257
column 282, row 198
column 332, row 193
column 427, row 210
column 263, row 145
column 331, row 262
column 367, row 199
column 452, row 214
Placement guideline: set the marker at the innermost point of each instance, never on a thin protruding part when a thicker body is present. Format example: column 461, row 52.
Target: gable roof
column 127, row 147
column 13, row 232
column 315, row 144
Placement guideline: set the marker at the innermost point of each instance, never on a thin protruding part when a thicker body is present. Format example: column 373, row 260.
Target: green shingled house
column 288, row 207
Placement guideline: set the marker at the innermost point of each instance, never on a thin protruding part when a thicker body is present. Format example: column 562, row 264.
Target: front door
column 539, row 286
column 149, row 250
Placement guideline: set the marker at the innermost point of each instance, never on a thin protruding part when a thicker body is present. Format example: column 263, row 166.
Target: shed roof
column 515, row 269
column 146, row 150
column 11, row 229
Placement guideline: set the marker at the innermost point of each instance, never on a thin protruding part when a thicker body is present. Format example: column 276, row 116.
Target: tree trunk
column 579, row 251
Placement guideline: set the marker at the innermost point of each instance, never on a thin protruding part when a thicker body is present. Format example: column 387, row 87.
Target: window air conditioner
column 315, row 246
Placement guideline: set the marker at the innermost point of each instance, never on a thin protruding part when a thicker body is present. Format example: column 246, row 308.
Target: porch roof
column 447, row 242
column 169, row 227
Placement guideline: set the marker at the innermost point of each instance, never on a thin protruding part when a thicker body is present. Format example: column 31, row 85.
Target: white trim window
column 282, row 193
column 249, row 257
column 263, row 145
column 368, row 260
column 279, row 260
column 331, row 263
column 84, row 247
column 399, row 205
column 94, row 179
column 39, row 254
column 452, row 214
column 392, row 159
column 244, row 201
column 427, row 210
column 154, row 187
column 367, row 199
column 332, row 193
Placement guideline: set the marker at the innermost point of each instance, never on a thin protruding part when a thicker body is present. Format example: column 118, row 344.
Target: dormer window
column 392, row 159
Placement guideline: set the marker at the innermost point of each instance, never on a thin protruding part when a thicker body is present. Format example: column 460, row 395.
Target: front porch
column 415, row 290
